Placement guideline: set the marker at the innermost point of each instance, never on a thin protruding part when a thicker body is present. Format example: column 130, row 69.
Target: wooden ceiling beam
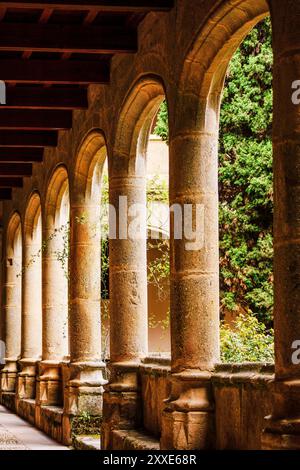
column 13, row 182
column 42, row 20
column 66, row 38
column 60, row 72
column 137, row 6
column 21, row 155
column 28, row 119
column 17, row 169
column 11, row 138
column 5, row 194
column 46, row 98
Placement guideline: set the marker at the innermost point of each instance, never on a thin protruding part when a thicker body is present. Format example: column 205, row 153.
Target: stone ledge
column 50, row 420
column 26, row 409
column 133, row 440
column 86, row 443
column 8, row 399
column 255, row 374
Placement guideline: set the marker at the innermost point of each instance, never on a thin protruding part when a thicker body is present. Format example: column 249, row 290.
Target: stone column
column 188, row 418
column 128, row 307
column 2, row 293
column 85, row 387
column 282, row 428
column 31, row 316
column 12, row 314
column 55, row 320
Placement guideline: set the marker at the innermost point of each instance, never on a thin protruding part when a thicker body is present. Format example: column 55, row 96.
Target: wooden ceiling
column 49, row 53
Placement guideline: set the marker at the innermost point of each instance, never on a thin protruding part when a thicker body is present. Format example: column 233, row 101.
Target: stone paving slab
column 17, row 434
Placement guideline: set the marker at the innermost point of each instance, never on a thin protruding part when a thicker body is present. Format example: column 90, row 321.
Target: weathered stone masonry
column 191, row 403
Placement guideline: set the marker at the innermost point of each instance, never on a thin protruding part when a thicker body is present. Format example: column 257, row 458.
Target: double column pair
column 71, row 370
column 194, row 300
column 188, row 418
column 53, row 344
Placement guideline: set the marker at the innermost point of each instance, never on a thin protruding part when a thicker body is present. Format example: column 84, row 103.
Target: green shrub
column 247, row 340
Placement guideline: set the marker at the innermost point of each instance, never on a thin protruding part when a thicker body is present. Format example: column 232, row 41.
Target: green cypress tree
column 245, row 178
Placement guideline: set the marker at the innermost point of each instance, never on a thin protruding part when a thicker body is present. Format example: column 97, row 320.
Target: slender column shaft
column 286, row 143
column 85, row 285
column 13, row 309
column 32, row 302
column 128, row 304
column 128, row 274
column 195, row 262
column 282, row 428
column 194, row 278
column 55, row 299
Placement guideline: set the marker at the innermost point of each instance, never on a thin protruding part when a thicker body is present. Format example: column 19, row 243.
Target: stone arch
column 32, row 216
column 57, row 190
column 204, row 69
column 31, row 295
column 91, row 157
column 85, row 249
column 56, row 216
column 138, row 110
column 12, row 303
column 14, row 236
column 194, row 179
column 128, row 258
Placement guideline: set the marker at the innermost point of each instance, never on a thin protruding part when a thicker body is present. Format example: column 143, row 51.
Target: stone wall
column 242, row 395
column 183, row 56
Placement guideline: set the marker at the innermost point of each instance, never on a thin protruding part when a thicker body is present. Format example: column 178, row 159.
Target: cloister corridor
column 17, row 434
column 81, row 86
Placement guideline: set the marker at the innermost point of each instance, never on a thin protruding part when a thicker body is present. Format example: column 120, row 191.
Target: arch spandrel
column 57, row 188
column 32, row 219
column 202, row 79
column 89, row 168
column 138, row 111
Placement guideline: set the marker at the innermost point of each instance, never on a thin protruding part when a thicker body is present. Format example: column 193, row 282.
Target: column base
column 188, row 420
column 83, row 399
column 48, row 387
column 282, row 430
column 9, row 375
column 49, row 384
column 281, row 434
column 27, row 379
column 84, row 390
column 122, row 402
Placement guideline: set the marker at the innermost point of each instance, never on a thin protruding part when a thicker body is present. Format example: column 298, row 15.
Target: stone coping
column 252, row 373
column 159, row 360
column 87, row 443
column 262, row 367
column 255, row 373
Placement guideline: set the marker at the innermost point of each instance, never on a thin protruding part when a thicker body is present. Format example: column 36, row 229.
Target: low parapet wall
column 242, row 400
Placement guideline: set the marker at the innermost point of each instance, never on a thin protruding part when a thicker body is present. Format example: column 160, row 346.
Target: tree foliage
column 245, row 178
column 247, row 341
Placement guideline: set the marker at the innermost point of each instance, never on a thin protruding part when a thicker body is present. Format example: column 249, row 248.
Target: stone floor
column 17, row 434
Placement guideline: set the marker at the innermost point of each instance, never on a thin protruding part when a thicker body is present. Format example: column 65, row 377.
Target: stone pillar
column 282, row 428
column 2, row 326
column 55, row 320
column 85, row 387
column 128, row 308
column 31, row 316
column 188, row 418
column 2, row 294
column 12, row 314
